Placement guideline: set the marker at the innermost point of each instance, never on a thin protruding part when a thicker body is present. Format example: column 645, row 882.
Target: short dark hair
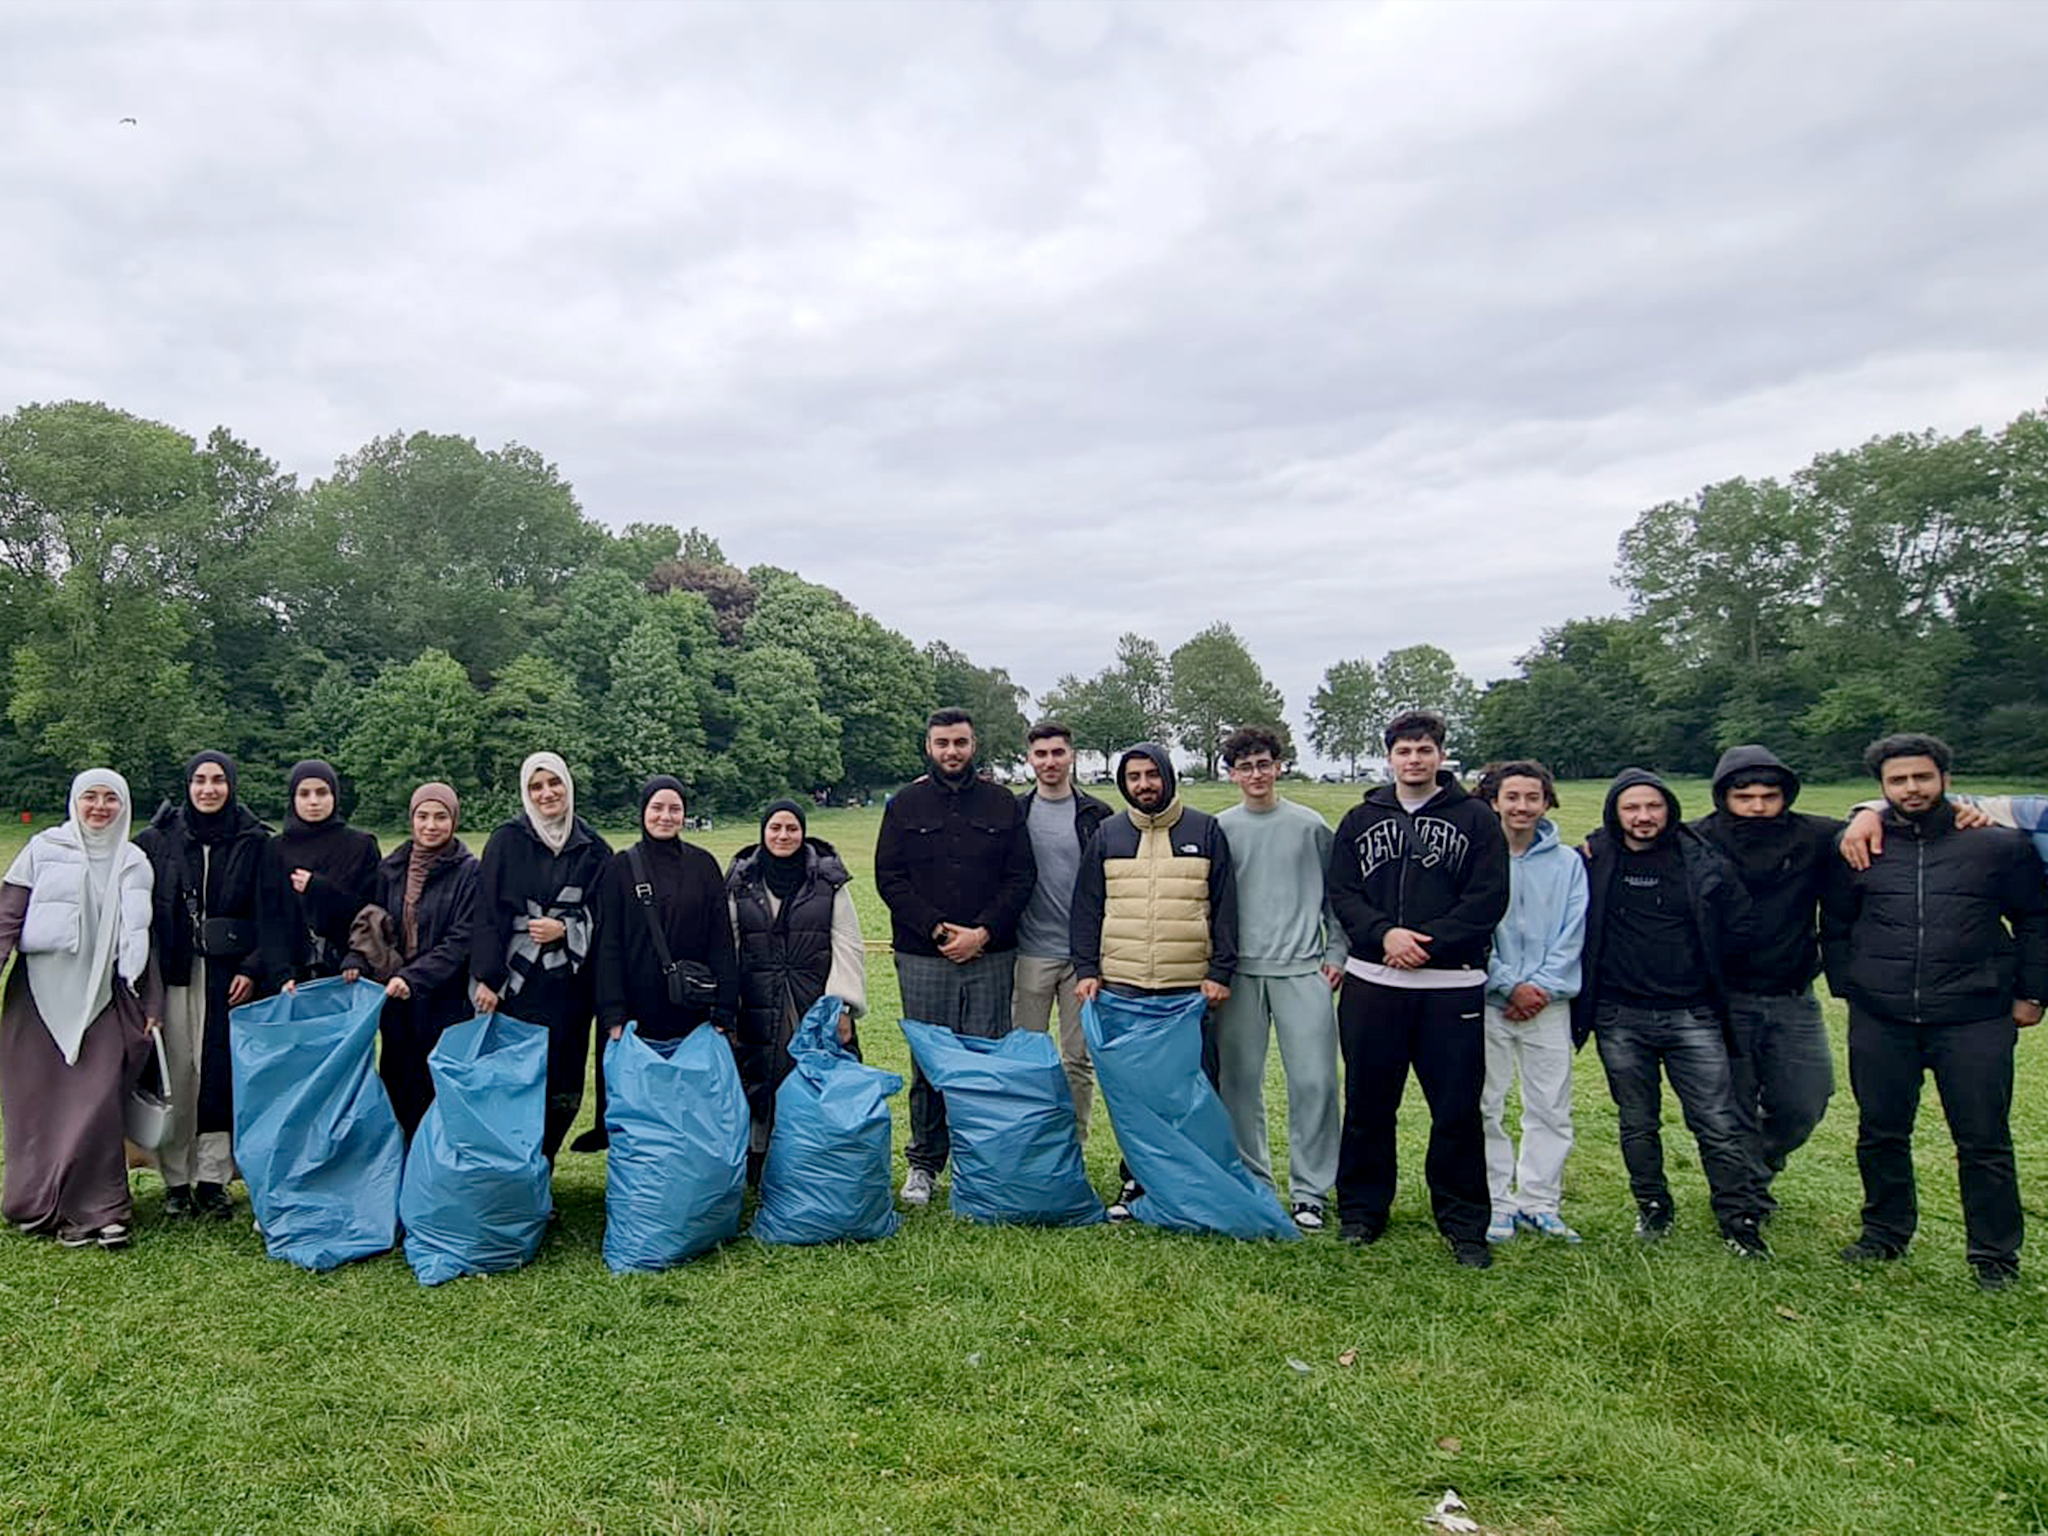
column 1247, row 739
column 949, row 717
column 1493, row 775
column 1906, row 744
column 1046, row 730
column 1416, row 725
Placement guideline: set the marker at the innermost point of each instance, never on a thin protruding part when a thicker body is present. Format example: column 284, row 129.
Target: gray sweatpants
column 1300, row 1011
column 1040, row 981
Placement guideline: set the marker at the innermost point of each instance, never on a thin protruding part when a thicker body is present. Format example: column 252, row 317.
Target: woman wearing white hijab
column 74, row 1026
column 534, row 921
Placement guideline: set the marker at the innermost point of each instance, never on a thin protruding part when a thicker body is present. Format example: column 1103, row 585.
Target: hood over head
column 1756, row 762
column 1160, row 757
column 1627, row 779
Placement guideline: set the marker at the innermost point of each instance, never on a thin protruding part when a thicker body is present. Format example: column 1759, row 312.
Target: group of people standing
column 1463, row 939
column 207, row 909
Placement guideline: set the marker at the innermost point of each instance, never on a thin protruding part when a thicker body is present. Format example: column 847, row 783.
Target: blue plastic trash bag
column 1015, row 1155
column 678, row 1122
column 1174, row 1131
column 476, row 1193
column 826, row 1176
column 314, row 1134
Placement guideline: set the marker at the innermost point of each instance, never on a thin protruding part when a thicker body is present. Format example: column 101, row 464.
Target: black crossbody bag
column 690, row 983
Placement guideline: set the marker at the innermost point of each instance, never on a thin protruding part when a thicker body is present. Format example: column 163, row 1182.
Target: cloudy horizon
column 1025, row 325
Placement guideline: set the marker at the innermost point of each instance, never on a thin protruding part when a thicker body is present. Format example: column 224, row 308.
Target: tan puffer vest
column 1155, row 913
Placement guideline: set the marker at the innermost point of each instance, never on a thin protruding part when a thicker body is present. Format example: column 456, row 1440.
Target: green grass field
column 1111, row 1379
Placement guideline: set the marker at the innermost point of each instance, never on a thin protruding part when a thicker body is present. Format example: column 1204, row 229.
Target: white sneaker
column 917, row 1188
column 1308, row 1216
column 1501, row 1229
column 1120, row 1208
column 1546, row 1224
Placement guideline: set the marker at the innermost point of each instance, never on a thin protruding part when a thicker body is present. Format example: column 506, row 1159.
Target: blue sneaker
column 1501, row 1229
column 1546, row 1224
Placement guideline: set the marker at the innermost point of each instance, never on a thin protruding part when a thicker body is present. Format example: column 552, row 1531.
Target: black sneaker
column 114, row 1235
column 1868, row 1250
column 1120, row 1208
column 77, row 1237
column 1473, row 1253
column 1360, row 1230
column 1997, row 1274
column 1653, row 1220
column 212, row 1200
column 1308, row 1216
column 1745, row 1239
column 178, row 1202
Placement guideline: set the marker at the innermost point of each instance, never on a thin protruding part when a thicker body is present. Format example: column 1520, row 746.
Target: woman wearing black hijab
column 535, row 925
column 330, row 866
column 677, row 890
column 218, row 927
column 798, row 935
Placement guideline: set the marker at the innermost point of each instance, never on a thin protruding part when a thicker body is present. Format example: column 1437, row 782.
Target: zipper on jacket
column 1919, row 916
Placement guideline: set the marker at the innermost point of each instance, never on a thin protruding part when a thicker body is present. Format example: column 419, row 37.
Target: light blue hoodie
column 1540, row 938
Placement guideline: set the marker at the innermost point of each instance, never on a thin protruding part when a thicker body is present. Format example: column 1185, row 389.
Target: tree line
column 432, row 608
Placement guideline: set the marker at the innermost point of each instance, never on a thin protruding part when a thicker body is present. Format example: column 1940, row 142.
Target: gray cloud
column 1026, row 325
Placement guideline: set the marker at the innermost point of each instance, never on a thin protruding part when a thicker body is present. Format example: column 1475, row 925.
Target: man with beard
column 1665, row 911
column 953, row 864
column 1780, row 1065
column 1155, row 907
column 1941, row 949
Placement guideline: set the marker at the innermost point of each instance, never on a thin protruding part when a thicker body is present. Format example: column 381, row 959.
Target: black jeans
column 1785, row 1074
column 1641, row 1046
column 1383, row 1031
column 1972, row 1067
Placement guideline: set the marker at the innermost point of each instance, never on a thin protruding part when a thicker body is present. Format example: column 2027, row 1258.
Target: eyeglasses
column 1251, row 770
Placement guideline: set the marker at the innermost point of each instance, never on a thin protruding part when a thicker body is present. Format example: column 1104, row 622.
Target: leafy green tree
column 430, row 542
column 598, row 609
column 417, row 722
column 1425, row 677
column 728, row 591
column 1345, row 715
column 652, row 722
column 638, row 548
column 534, row 706
column 782, row 742
column 1215, row 687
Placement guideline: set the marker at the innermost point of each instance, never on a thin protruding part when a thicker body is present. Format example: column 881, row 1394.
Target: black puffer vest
column 785, row 957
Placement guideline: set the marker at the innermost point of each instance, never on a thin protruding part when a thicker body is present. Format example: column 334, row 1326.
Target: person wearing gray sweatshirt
column 1291, row 952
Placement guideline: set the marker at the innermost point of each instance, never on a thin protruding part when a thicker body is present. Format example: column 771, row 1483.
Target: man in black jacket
column 1060, row 819
column 1941, row 949
column 953, row 864
column 1419, row 878
column 1782, row 1069
column 1665, row 911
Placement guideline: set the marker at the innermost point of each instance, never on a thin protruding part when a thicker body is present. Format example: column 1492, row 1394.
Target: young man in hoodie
column 1419, row 878
column 1060, row 818
column 1940, row 947
column 1782, row 1070
column 1155, row 905
column 1290, row 954
column 953, row 864
column 1530, row 982
column 1665, row 910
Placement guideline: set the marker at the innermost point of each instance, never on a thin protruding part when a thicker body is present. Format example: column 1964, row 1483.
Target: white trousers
column 1540, row 1051
column 185, row 1156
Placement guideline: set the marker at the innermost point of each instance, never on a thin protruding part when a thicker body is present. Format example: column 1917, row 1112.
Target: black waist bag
column 691, row 983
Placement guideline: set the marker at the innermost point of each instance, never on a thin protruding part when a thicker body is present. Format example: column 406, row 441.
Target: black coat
column 438, row 972
column 954, row 854
column 1783, row 862
column 334, row 894
column 237, row 878
column 1922, row 936
column 1715, row 898
column 521, row 877
column 1442, row 870
column 689, row 903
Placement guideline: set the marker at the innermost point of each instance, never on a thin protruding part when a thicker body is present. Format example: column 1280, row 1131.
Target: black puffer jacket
column 1721, row 911
column 1922, row 936
column 1442, row 871
column 786, row 956
column 1783, row 862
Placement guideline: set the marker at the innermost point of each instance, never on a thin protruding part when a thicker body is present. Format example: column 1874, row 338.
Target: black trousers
column 1383, row 1032
column 1972, row 1067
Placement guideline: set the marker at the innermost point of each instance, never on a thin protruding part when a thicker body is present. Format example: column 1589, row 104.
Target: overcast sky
column 1027, row 324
